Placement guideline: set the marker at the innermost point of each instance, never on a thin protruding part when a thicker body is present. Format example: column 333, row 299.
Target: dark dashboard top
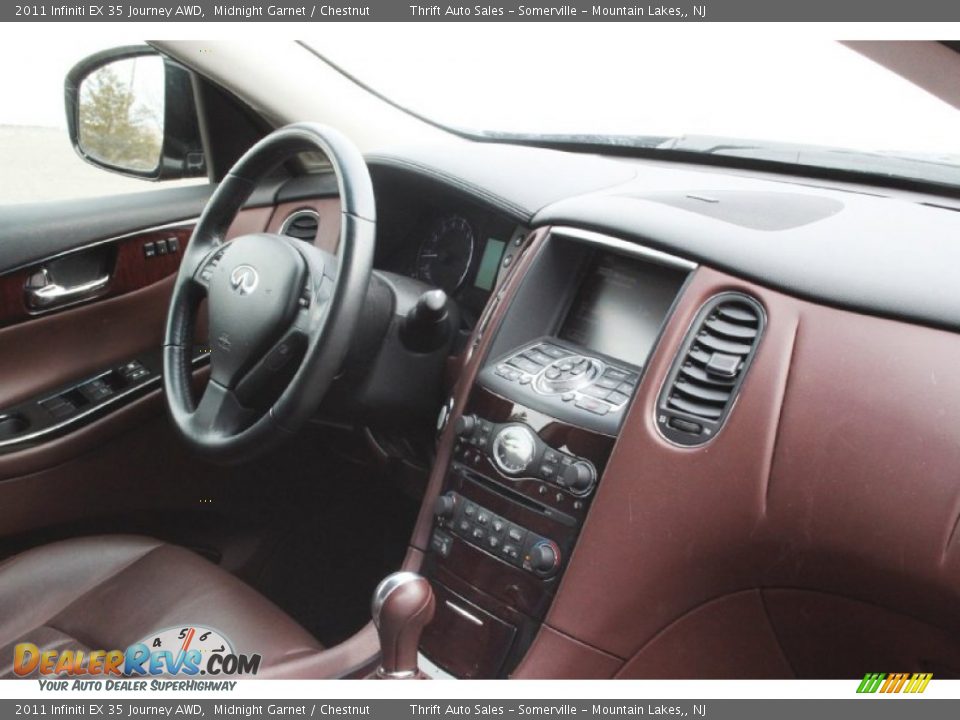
column 892, row 253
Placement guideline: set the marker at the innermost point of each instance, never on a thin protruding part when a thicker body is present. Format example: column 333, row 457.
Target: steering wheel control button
column 514, row 448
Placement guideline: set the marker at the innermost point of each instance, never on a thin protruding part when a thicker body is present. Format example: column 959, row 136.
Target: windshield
column 790, row 100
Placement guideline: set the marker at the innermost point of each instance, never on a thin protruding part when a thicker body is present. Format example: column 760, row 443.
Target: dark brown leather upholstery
column 108, row 592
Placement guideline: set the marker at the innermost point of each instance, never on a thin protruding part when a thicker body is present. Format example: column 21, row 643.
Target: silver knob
column 387, row 586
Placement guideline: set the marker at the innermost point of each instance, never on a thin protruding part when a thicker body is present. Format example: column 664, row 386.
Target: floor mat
column 344, row 535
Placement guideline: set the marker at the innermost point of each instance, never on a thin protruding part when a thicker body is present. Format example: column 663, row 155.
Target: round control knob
column 514, row 449
column 465, row 425
column 568, row 374
column 579, row 476
column 544, row 557
column 445, row 506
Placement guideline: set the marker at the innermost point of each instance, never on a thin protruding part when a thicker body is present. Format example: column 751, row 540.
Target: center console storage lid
column 483, row 640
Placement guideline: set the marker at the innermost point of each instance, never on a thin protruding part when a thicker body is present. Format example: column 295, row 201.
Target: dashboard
column 701, row 391
column 445, row 241
column 674, row 398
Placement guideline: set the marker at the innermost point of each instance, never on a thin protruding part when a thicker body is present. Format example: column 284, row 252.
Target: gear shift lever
column 403, row 604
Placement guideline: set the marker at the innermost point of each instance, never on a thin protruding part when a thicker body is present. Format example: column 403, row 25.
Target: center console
column 533, row 439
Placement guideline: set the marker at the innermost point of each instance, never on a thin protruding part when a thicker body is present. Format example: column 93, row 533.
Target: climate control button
column 544, row 558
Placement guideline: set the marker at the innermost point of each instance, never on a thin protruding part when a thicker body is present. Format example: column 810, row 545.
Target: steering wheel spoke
column 219, row 413
column 266, row 377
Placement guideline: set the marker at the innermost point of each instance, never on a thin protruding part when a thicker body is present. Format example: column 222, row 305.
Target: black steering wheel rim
column 322, row 313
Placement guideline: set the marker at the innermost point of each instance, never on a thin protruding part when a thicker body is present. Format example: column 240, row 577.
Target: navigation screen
column 620, row 307
column 487, row 272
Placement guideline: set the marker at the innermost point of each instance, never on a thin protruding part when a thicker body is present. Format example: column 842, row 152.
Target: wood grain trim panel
column 499, row 302
column 132, row 270
column 49, row 350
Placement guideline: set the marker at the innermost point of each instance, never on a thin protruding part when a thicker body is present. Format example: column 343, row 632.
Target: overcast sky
column 600, row 79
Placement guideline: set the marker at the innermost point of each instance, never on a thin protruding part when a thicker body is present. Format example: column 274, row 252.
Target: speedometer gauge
column 446, row 253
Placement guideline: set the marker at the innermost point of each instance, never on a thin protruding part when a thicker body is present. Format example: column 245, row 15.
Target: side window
column 120, row 123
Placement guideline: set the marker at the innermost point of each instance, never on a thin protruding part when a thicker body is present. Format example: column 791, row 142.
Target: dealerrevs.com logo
column 179, row 651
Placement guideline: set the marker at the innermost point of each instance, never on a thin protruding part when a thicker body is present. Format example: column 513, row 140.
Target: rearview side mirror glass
column 121, row 113
column 133, row 111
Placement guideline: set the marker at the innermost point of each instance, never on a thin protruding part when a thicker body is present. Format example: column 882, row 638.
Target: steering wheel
column 281, row 312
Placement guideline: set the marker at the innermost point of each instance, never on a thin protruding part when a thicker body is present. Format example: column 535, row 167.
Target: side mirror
column 132, row 111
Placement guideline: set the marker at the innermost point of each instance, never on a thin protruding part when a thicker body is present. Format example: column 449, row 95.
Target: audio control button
column 548, row 471
column 552, row 350
column 579, row 476
column 597, row 407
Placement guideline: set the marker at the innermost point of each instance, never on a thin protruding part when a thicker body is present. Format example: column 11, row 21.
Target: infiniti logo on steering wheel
column 244, row 279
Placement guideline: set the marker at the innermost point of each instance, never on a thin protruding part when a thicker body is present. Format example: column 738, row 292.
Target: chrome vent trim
column 706, row 376
column 303, row 224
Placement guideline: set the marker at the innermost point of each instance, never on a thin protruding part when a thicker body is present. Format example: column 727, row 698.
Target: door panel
column 127, row 264
column 48, row 350
column 124, row 458
column 31, row 233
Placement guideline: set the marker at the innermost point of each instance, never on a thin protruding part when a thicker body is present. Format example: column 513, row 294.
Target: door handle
column 44, row 293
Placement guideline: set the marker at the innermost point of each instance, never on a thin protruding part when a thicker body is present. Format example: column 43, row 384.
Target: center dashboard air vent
column 707, row 374
column 302, row 225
